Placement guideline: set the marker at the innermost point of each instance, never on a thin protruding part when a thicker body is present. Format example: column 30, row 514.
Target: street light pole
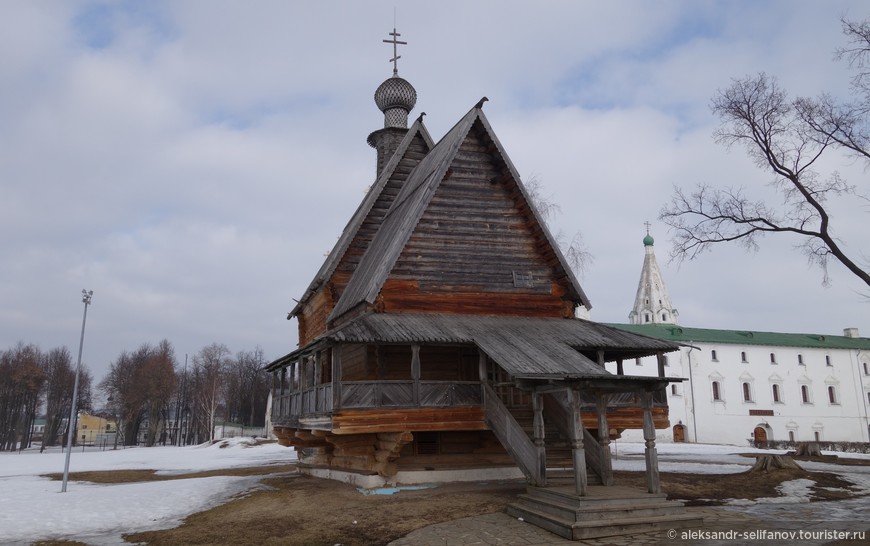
column 86, row 299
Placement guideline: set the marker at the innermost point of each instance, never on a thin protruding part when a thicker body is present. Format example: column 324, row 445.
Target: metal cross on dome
column 396, row 56
column 647, row 224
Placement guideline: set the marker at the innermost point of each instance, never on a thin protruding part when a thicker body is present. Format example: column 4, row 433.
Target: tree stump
column 808, row 449
column 769, row 463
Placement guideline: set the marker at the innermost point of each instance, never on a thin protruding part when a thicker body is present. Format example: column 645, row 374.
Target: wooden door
column 679, row 434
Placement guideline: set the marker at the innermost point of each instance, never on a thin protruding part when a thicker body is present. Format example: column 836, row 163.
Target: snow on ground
column 32, row 507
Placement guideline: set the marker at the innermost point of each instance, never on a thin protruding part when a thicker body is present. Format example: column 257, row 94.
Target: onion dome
column 648, row 240
column 396, row 98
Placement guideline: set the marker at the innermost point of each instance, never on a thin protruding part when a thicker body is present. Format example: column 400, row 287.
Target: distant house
column 438, row 340
column 37, row 430
column 95, row 430
column 750, row 386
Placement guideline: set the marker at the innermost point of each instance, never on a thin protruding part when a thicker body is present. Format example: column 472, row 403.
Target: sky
column 193, row 162
column 93, row 513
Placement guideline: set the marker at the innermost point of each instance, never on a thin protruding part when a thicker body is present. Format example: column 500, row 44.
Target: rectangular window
column 716, row 394
column 747, row 393
column 743, row 356
column 775, row 389
column 832, row 394
column 801, row 359
column 828, row 360
column 805, row 394
column 713, row 355
column 773, row 358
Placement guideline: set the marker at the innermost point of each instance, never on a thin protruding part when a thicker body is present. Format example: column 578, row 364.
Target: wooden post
column 581, row 481
column 538, row 433
column 481, row 370
column 619, row 370
column 317, row 373
column 601, row 358
column 283, row 379
column 649, row 435
column 660, row 359
column 604, row 439
column 415, row 372
column 336, row 377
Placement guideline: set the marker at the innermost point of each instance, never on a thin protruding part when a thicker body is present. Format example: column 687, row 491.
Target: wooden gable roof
column 368, row 212
column 416, row 197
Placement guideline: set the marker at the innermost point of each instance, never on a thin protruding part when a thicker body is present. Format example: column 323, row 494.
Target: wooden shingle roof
column 526, row 347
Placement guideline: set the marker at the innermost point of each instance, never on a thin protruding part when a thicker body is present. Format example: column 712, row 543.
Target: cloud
column 193, row 162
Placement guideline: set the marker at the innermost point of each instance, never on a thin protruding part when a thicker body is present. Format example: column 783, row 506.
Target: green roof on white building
column 683, row 334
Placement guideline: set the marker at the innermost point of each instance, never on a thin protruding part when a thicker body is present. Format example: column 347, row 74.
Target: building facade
column 749, row 386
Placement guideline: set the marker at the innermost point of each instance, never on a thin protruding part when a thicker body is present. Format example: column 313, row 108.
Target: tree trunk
column 769, row 463
column 808, row 449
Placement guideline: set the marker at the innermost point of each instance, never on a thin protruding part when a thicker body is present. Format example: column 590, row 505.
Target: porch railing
column 376, row 394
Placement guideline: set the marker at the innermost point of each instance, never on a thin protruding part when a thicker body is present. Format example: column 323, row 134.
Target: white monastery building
column 743, row 386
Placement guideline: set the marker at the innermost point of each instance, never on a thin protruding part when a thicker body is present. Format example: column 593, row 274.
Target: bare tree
column 209, row 368
column 21, row 380
column 786, row 138
column 141, row 384
column 574, row 249
column 247, row 388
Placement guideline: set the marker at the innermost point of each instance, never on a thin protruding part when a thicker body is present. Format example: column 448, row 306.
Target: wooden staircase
column 606, row 511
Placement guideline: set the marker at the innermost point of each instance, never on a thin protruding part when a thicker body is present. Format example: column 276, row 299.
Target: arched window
column 832, row 394
column 716, row 394
column 805, row 394
column 747, row 392
column 775, row 389
column 791, row 436
column 664, row 316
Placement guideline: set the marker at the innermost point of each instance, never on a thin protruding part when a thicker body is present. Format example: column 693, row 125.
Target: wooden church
column 438, row 341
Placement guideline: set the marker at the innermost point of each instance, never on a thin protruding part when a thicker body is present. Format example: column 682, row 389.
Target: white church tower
column 652, row 304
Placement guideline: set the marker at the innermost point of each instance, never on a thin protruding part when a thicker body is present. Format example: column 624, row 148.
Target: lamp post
column 86, row 299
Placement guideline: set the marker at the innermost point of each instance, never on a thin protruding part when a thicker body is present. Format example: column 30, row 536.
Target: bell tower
column 652, row 304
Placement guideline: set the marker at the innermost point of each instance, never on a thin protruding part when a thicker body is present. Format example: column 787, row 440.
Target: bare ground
column 298, row 509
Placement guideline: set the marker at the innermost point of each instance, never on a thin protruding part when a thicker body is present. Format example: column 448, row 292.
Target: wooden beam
column 619, row 369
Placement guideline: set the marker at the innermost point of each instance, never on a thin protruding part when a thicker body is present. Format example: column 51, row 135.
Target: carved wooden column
column 415, row 373
column 649, row 435
column 336, row 377
column 481, row 370
column 538, row 433
column 581, row 481
column 604, row 439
